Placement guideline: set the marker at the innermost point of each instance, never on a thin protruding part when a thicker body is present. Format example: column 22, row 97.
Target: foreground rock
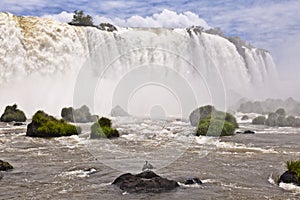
column 4, row 166
column 79, row 115
column 11, row 113
column 289, row 177
column 44, row 125
column 292, row 175
column 144, row 182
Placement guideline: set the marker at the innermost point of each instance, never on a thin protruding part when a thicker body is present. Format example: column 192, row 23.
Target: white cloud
column 62, row 17
column 166, row 18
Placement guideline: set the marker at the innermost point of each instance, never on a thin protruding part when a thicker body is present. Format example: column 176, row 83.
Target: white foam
column 213, row 141
column 290, row 187
column 190, row 185
column 78, row 173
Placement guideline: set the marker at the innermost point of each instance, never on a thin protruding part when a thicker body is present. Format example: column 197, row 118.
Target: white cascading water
column 47, row 65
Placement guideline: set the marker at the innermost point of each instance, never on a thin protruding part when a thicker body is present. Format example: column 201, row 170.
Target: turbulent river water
column 237, row 167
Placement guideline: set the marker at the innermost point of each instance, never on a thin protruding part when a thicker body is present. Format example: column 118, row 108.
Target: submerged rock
column 4, row 166
column 248, row 132
column 18, row 124
column 290, row 177
column 11, row 113
column 192, row 181
column 146, row 181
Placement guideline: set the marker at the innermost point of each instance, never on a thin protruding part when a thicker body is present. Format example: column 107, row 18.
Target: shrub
column 80, row 19
column 44, row 125
column 215, row 127
column 11, row 113
column 102, row 129
column 294, row 166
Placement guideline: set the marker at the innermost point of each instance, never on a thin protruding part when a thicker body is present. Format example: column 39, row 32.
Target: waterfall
column 46, row 65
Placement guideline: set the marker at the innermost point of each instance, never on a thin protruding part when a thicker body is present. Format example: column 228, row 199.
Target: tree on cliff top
column 79, row 18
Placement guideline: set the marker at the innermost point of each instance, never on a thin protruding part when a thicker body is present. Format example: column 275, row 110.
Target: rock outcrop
column 144, row 182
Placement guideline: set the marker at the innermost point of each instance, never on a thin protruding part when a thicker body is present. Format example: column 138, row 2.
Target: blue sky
column 269, row 24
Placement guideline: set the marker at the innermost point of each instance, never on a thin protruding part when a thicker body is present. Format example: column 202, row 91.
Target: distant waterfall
column 44, row 62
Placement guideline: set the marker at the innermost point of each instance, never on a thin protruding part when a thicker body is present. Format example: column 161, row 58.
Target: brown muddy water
column 236, row 167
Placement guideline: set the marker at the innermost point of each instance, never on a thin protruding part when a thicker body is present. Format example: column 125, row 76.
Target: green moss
column 44, row 125
column 11, row 113
column 294, row 166
column 103, row 121
column 102, row 129
column 231, row 119
column 215, row 127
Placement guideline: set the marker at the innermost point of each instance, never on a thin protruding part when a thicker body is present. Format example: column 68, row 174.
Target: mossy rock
column 44, row 125
column 215, row 127
column 11, row 113
column 102, row 129
column 260, row 120
column 4, row 166
column 209, row 111
column 79, row 115
column 200, row 113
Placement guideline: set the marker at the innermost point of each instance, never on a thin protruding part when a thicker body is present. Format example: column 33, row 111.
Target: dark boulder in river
column 144, row 182
column 4, row 166
column 192, row 181
column 18, row 124
column 248, row 132
column 44, row 125
column 290, row 177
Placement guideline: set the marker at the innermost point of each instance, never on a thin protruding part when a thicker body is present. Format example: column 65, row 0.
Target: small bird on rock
column 147, row 166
